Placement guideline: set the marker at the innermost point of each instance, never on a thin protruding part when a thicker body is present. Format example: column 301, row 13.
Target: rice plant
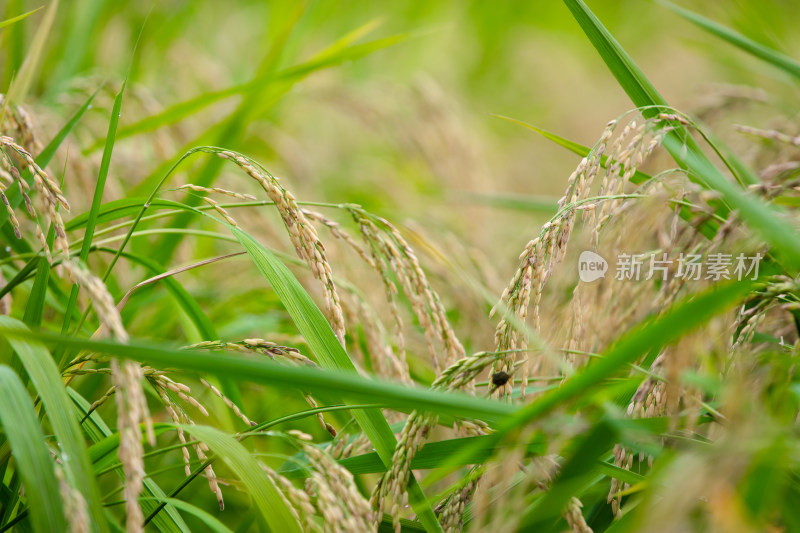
column 287, row 293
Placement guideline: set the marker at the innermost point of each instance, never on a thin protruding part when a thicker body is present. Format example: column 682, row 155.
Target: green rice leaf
column 775, row 58
column 259, row 486
column 575, row 148
column 335, row 382
column 19, row 88
column 31, row 456
column 210, row 521
column 97, row 199
column 766, row 220
column 48, row 383
column 330, row 354
column 12, row 20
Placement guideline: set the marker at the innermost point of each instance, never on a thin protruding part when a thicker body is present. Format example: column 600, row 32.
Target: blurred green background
column 372, row 129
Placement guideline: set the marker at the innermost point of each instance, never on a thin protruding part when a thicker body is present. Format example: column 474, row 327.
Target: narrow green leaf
column 20, row 276
column 323, row 342
column 168, row 521
column 258, row 484
column 338, row 383
column 22, row 82
column 47, row 153
column 48, row 383
column 575, row 148
column 773, row 57
column 34, row 307
column 537, row 204
column 212, row 522
column 765, row 220
column 31, row 456
column 97, row 199
column 12, row 20
column 116, row 209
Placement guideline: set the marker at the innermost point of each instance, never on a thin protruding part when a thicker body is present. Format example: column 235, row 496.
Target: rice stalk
column 334, row 492
column 50, row 195
column 271, row 350
column 132, row 407
column 302, row 234
column 75, row 510
column 392, row 485
column 627, row 150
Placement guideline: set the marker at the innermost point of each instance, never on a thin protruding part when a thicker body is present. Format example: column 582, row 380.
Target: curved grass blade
column 50, row 387
column 546, row 205
column 575, row 148
column 21, row 275
column 189, row 306
column 12, row 20
column 681, row 145
column 783, row 62
column 340, row 383
column 31, row 456
column 97, row 199
column 576, row 474
column 116, row 209
column 331, row 354
column 22, row 82
column 258, row 484
column 210, row 521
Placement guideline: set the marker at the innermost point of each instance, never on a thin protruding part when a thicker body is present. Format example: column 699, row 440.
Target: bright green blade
column 765, row 220
column 323, row 342
column 31, row 456
column 97, row 199
column 19, row 88
column 258, row 484
column 208, row 520
column 335, row 382
column 575, row 148
column 783, row 62
column 48, row 383
column 12, row 20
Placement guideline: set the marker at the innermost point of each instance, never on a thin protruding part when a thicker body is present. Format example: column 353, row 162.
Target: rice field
column 307, row 266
